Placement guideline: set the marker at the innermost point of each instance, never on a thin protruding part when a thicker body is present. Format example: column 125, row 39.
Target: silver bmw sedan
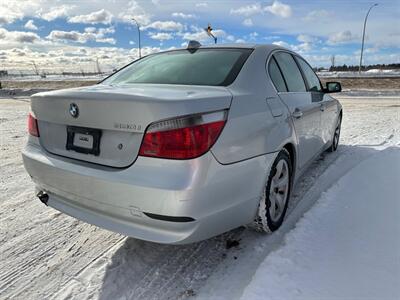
column 183, row 145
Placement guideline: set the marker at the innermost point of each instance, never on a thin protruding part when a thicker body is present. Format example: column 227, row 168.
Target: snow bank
column 369, row 73
column 347, row 246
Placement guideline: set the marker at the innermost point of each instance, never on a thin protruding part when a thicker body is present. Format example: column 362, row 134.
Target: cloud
column 247, row 10
column 342, row 37
column 247, row 22
column 230, row 38
column 302, row 48
column 371, row 50
column 306, row 38
column 201, row 4
column 279, row 9
column 30, row 25
column 75, row 36
column 271, row 37
column 90, row 34
column 24, row 37
column 102, row 16
column 202, row 36
column 6, row 19
column 253, row 35
column 281, row 44
column 18, row 36
column 19, row 52
column 57, row 12
column 165, row 26
column 161, row 36
column 316, row 15
column 69, row 58
column 134, row 10
column 183, row 16
column 306, row 43
column 11, row 11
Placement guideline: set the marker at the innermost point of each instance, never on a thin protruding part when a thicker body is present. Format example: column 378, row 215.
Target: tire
column 336, row 135
column 271, row 211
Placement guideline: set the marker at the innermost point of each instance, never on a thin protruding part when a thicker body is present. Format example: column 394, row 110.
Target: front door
column 326, row 102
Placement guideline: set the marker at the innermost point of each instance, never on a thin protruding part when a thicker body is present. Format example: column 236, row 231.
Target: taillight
column 183, row 138
column 33, row 126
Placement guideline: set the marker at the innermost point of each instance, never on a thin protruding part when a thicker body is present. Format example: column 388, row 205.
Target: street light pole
column 363, row 36
column 138, row 28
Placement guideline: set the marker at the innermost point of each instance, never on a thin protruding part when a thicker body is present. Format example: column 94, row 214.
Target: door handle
column 297, row 113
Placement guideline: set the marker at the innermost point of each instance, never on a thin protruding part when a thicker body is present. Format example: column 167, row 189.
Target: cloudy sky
column 73, row 34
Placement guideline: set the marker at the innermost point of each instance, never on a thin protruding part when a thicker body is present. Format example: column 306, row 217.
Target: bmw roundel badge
column 74, row 110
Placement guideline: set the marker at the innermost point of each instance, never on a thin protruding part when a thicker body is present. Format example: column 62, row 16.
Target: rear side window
column 291, row 72
column 276, row 76
column 312, row 79
column 216, row 67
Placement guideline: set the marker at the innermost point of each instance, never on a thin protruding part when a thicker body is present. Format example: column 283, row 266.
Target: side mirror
column 333, row 87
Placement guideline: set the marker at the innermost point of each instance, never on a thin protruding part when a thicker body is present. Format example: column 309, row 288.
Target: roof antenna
column 209, row 33
column 193, row 46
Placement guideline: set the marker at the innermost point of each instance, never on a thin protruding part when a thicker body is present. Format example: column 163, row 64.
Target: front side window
column 291, row 73
column 313, row 82
column 216, row 67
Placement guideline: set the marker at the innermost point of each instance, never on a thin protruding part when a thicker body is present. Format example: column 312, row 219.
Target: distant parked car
column 183, row 145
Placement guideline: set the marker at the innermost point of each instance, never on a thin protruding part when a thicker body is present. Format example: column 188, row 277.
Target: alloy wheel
column 279, row 190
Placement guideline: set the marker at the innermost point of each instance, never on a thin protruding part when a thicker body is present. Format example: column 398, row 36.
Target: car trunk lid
column 120, row 114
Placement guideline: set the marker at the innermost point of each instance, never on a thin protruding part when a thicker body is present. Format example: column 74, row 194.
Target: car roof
column 266, row 47
column 230, row 45
column 243, row 46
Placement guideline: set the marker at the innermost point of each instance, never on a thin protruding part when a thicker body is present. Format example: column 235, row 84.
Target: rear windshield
column 217, row 67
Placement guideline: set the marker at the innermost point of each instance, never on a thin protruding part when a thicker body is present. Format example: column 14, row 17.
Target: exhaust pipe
column 43, row 197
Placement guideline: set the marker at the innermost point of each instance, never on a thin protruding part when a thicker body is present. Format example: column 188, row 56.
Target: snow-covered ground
column 46, row 254
column 55, row 77
column 347, row 245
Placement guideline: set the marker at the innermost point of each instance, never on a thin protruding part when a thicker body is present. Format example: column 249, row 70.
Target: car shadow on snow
column 145, row 270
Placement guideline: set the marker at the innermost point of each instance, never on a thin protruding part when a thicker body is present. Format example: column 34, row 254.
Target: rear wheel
column 336, row 136
column 275, row 196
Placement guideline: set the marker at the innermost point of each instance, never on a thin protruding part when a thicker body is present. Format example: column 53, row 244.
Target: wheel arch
column 289, row 147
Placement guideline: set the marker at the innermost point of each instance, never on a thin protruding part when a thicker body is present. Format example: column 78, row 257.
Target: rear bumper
column 213, row 198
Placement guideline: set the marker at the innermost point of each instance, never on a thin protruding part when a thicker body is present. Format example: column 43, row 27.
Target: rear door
column 304, row 110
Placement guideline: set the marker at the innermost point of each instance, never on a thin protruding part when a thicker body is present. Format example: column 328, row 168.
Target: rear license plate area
column 83, row 140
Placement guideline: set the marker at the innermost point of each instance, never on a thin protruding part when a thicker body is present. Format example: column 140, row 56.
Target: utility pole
column 98, row 66
column 35, row 68
column 333, row 59
column 138, row 28
column 363, row 36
